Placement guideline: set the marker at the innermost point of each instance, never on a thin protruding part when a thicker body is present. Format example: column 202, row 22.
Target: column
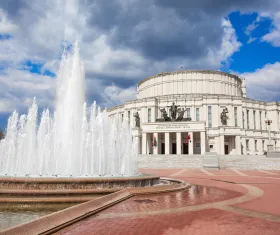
column 144, row 143
column 190, row 143
column 222, row 145
column 259, row 145
column 155, row 147
column 237, row 145
column 167, row 142
column 202, row 142
column 179, row 143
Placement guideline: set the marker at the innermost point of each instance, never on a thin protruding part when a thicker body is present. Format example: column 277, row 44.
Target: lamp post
column 268, row 122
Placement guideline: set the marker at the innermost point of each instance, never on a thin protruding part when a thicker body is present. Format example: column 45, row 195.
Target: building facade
column 218, row 115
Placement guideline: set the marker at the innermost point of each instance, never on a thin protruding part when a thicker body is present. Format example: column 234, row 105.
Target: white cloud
column 6, row 27
column 229, row 45
column 114, row 95
column 263, row 84
column 274, row 36
column 18, row 87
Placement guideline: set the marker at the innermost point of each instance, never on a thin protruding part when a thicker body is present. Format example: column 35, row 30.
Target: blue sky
column 124, row 41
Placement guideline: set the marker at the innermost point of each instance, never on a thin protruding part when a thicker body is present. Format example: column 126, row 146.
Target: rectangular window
column 243, row 119
column 128, row 114
column 149, row 115
column 235, row 116
column 209, row 116
column 248, row 119
column 260, row 120
column 263, row 145
column 188, row 112
column 254, row 116
column 278, row 120
column 122, row 117
column 247, row 144
column 255, row 145
column 197, row 114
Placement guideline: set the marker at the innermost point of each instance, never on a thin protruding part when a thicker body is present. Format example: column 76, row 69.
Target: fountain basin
column 67, row 190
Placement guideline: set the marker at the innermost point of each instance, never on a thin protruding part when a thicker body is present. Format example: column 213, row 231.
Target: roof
column 190, row 71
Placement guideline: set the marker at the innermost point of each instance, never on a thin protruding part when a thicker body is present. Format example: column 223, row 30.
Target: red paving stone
column 211, row 221
column 226, row 184
column 268, row 203
column 196, row 195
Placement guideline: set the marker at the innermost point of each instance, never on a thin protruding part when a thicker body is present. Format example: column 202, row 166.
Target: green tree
column 2, row 135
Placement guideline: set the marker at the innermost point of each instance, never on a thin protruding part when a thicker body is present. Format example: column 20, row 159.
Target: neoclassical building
column 217, row 115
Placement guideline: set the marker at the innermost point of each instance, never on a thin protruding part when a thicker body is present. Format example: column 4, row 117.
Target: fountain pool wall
column 74, row 140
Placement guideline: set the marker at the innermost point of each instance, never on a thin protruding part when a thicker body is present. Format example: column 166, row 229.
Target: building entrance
column 174, row 148
column 162, row 148
column 226, row 149
column 185, row 148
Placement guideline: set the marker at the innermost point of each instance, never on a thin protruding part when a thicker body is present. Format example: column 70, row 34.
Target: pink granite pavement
column 219, row 202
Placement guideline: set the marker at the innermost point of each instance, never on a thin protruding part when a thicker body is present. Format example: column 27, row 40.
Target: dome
column 190, row 82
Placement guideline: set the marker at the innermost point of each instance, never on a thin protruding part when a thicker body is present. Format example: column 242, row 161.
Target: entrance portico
column 174, row 138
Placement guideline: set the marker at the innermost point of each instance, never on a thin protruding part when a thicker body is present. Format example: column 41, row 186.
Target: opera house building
column 194, row 112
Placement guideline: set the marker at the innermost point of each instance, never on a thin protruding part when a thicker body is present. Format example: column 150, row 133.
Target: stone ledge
column 51, row 223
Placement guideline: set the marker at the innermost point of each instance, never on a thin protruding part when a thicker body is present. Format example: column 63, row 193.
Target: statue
column 224, row 116
column 173, row 109
column 181, row 115
column 164, row 115
column 137, row 119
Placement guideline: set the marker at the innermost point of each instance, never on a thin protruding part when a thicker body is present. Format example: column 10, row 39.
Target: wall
column 195, row 161
column 190, row 82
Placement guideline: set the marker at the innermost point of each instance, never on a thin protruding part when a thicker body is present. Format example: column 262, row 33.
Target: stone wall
column 169, row 161
column 247, row 162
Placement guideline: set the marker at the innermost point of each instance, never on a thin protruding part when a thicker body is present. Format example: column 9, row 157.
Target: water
column 74, row 140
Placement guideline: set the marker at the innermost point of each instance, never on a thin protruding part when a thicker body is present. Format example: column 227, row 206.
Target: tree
column 2, row 135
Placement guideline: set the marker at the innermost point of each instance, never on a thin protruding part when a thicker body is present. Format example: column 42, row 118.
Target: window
column 188, row 112
column 211, row 146
column 254, row 116
column 128, row 114
column 243, row 119
column 278, row 120
column 197, row 145
column 263, row 145
column 122, row 117
column 235, row 116
column 255, row 145
column 247, row 144
column 197, row 114
column 209, row 116
column 261, row 120
column 248, row 119
column 149, row 115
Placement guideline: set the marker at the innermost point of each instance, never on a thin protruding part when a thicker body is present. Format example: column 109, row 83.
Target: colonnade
column 164, row 143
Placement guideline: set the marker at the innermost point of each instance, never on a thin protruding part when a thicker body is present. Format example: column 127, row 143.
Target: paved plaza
column 219, row 202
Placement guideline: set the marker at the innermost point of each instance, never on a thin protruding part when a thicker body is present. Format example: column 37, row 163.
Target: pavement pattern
column 219, row 202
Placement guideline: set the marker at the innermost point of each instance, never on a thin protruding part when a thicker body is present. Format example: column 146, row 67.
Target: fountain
column 74, row 150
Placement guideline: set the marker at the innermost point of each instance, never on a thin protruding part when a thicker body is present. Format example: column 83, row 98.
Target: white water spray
column 75, row 141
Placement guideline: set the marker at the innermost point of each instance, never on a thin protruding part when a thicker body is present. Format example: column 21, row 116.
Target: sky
column 124, row 41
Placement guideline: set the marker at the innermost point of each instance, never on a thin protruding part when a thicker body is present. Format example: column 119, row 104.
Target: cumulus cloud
column 263, row 84
column 274, row 36
column 114, row 95
column 121, row 41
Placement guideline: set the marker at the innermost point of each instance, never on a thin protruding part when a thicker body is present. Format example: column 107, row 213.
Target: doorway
column 162, row 148
column 226, row 149
column 185, row 148
column 174, row 148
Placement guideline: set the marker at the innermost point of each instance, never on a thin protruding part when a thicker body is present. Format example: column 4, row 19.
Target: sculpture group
column 173, row 114
column 180, row 117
